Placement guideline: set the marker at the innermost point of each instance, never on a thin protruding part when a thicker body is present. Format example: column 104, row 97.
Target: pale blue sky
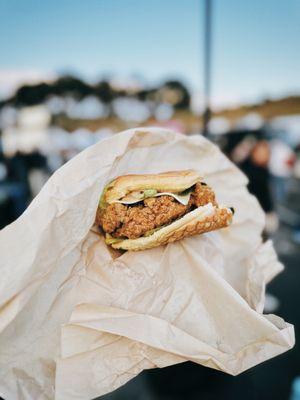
column 256, row 43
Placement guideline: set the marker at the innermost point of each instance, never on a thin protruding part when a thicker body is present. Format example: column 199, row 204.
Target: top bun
column 173, row 181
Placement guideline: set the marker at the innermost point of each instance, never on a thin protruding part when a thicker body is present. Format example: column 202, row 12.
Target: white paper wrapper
column 76, row 323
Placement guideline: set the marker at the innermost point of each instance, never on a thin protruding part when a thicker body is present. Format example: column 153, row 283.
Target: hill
column 267, row 109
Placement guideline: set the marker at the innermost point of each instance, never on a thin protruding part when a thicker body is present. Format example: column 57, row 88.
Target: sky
column 256, row 44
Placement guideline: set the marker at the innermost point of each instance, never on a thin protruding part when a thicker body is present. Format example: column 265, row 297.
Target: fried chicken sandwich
column 137, row 212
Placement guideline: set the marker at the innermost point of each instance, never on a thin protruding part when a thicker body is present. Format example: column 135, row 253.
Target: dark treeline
column 172, row 92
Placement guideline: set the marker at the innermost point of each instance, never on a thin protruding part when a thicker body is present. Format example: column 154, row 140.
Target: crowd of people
column 44, row 125
column 270, row 163
column 32, row 149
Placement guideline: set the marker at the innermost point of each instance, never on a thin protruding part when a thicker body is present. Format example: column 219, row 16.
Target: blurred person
column 251, row 153
column 289, row 207
column 6, row 204
column 16, row 184
column 38, row 172
column 252, row 156
column 281, row 165
column 255, row 166
column 295, row 394
column 19, row 185
column 296, row 169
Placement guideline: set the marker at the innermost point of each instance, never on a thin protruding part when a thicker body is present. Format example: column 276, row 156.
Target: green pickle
column 102, row 202
column 149, row 193
column 111, row 240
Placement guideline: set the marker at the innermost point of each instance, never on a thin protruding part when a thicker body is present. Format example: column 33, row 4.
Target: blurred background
column 73, row 73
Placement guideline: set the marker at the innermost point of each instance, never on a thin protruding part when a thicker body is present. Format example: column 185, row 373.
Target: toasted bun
column 202, row 219
column 175, row 181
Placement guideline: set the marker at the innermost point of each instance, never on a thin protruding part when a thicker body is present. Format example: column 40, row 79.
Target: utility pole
column 207, row 64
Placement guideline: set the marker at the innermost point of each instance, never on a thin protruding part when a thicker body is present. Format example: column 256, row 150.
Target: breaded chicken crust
column 134, row 221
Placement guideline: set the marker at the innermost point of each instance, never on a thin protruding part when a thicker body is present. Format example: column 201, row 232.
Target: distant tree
column 176, row 93
column 31, row 94
column 143, row 94
column 72, row 86
column 36, row 94
column 104, row 92
column 172, row 92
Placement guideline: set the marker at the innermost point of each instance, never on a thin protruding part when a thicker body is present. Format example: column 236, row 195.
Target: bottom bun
column 202, row 219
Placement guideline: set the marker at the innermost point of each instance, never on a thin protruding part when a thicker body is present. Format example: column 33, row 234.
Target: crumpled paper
column 76, row 322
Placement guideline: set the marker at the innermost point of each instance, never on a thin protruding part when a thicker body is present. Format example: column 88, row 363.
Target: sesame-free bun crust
column 173, row 181
column 202, row 219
